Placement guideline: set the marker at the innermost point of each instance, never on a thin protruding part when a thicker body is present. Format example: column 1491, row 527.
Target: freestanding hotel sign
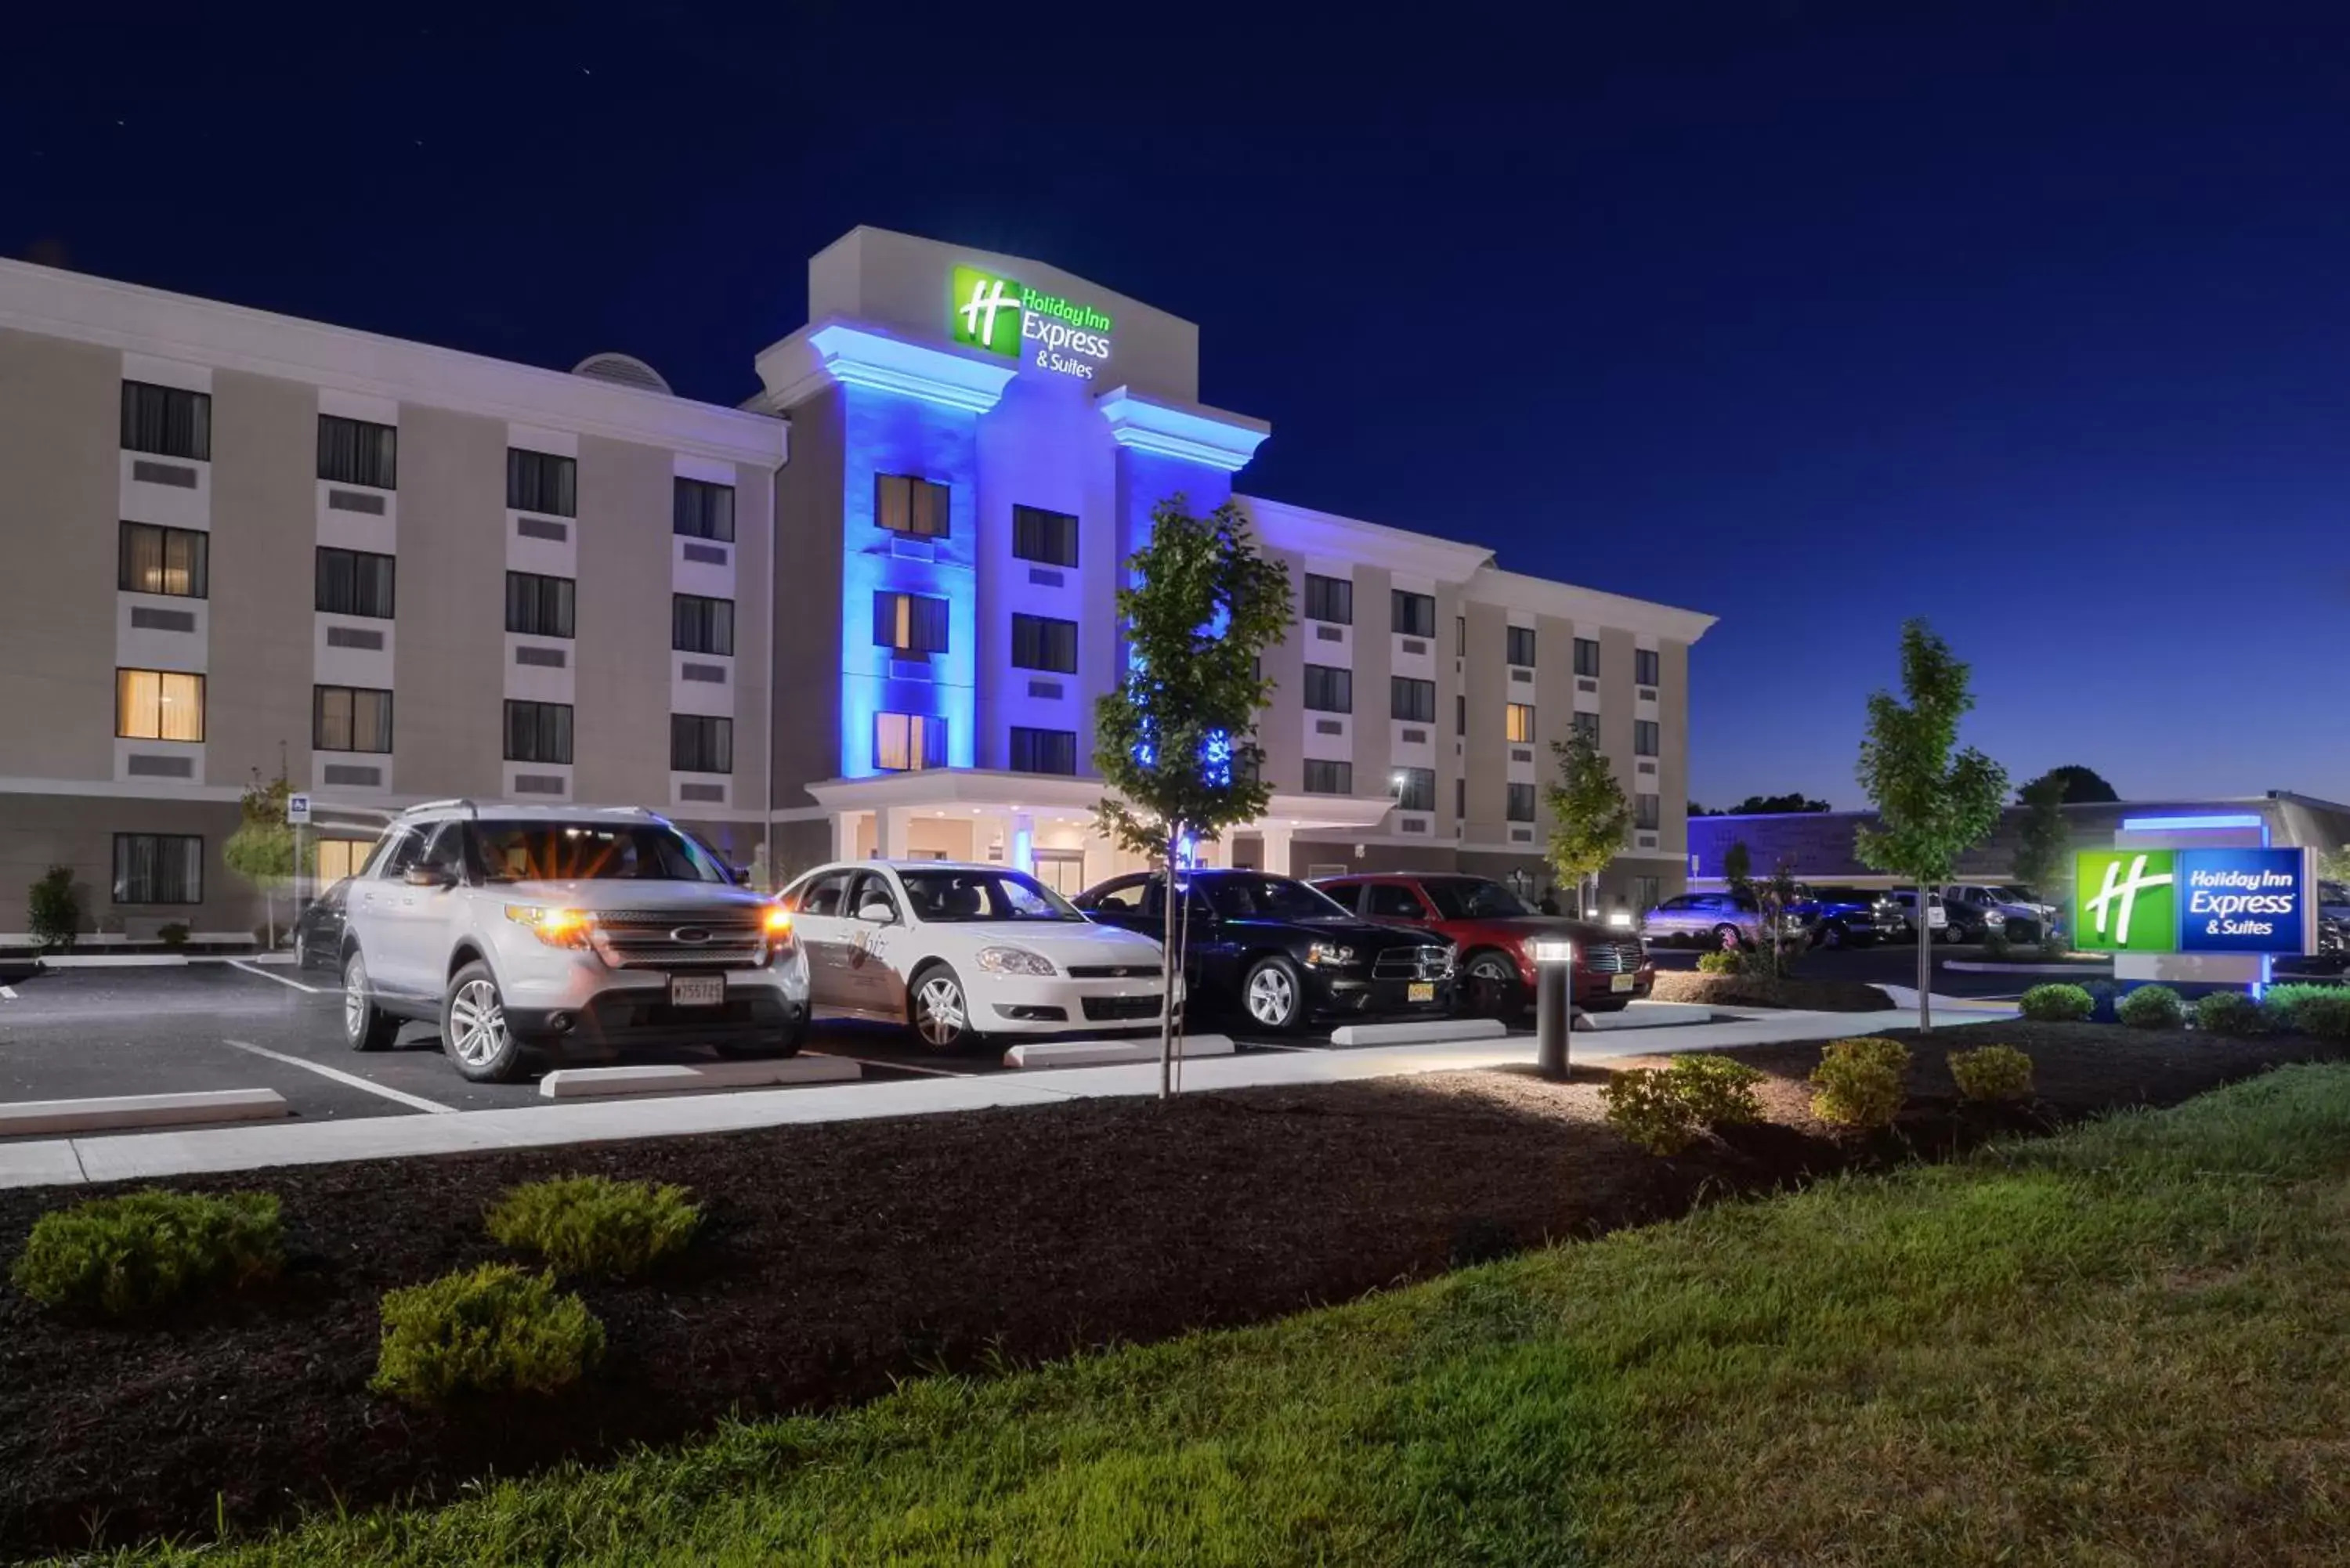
column 2194, row 901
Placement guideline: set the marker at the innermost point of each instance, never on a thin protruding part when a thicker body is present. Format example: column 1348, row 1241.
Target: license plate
column 1619, row 983
column 697, row 990
column 1422, row 990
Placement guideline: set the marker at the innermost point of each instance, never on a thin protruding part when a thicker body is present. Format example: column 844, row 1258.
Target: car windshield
column 590, row 852
column 983, row 896
column 2015, row 894
column 1242, row 898
column 1466, row 898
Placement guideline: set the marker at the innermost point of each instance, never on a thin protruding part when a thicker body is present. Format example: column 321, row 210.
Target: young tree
column 262, row 849
column 1777, row 896
column 1588, row 813
column 1177, row 739
column 2042, row 859
column 1933, row 803
column 1737, row 867
column 2078, row 785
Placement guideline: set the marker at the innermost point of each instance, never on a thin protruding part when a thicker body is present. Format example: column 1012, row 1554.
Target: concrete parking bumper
column 676, row 1078
column 29, row 1117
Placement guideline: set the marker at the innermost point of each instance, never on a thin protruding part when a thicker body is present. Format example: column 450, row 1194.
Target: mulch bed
column 1758, row 991
column 837, row 1257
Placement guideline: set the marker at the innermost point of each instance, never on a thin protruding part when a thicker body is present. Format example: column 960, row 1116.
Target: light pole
column 1553, row 963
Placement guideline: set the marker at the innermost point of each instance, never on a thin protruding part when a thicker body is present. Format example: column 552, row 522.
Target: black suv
column 1842, row 916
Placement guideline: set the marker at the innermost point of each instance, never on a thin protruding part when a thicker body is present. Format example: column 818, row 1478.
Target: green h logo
column 987, row 311
column 2128, row 900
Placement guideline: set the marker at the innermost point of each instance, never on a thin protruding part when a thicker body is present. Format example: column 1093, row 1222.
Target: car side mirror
column 429, row 877
column 877, row 911
column 742, row 874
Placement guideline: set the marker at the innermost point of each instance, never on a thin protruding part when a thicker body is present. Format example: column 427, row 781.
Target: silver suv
column 521, row 927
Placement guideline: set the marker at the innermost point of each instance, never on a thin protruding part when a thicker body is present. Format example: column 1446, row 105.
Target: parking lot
column 76, row 1033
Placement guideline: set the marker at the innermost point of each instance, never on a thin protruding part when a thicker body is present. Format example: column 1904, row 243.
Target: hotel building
column 867, row 612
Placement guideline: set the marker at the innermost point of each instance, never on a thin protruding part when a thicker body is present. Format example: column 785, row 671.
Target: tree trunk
column 1924, row 963
column 1167, row 971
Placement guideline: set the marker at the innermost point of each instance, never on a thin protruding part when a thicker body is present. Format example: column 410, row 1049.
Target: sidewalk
column 142, row 1156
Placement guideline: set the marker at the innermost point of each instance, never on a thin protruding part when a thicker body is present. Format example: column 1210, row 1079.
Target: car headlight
column 1014, row 960
column 1329, row 955
column 555, row 927
column 1994, row 918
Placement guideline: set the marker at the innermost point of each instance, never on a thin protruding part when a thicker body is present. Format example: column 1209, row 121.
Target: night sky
column 2029, row 319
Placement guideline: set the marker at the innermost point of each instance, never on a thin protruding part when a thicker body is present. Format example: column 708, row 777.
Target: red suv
column 1495, row 930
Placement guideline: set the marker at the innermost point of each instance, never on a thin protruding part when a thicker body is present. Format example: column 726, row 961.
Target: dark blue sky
column 2029, row 319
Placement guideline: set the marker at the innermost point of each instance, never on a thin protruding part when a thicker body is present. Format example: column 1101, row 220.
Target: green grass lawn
column 2124, row 1345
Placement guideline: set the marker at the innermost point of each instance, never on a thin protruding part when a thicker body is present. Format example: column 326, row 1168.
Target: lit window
column 914, row 625
column 907, row 742
column 904, row 504
column 159, row 705
column 1519, row 723
column 164, row 560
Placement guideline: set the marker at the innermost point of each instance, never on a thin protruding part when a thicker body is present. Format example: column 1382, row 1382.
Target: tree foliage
column 262, row 849
column 2078, row 785
column 1776, row 805
column 2042, row 861
column 1934, row 802
column 1737, row 867
column 1589, row 814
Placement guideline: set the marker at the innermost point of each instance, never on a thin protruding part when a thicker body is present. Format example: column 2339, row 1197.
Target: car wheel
column 1834, row 936
column 1489, row 985
column 784, row 1042
column 366, row 1026
column 473, row 1027
column 1727, row 939
column 942, row 1011
column 1274, row 995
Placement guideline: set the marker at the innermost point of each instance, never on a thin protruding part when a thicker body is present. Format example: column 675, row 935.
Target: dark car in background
column 1279, row 952
column 319, row 933
column 1846, row 916
column 1495, row 930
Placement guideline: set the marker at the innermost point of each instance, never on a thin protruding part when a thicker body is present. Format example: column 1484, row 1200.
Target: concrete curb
column 2093, row 972
column 1649, row 1015
column 32, row 1117
column 1433, row 1032
column 1103, row 1053
column 671, row 1078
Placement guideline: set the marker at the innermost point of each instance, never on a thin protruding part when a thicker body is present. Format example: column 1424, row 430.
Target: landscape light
column 1552, row 950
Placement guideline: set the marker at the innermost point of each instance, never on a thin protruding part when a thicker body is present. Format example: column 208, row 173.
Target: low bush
column 1995, row 944
column 1992, row 1072
column 52, row 908
column 593, row 1225
column 174, row 935
column 2054, row 949
column 1720, row 962
column 1717, row 1091
column 130, row 1254
column 495, row 1330
column 2057, row 1004
column 2231, row 1012
column 2151, row 1007
column 1644, row 1108
column 2320, row 1012
column 1860, row 1081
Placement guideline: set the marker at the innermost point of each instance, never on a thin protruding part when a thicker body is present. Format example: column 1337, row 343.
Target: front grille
column 1109, row 1009
column 1114, row 971
column 1614, row 958
column 647, row 939
column 1412, row 963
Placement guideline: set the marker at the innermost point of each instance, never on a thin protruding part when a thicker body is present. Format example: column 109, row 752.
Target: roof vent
column 624, row 368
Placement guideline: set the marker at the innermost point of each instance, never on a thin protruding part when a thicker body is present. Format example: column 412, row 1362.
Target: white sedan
column 962, row 952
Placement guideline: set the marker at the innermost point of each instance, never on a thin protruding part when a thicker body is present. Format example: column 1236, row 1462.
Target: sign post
column 298, row 817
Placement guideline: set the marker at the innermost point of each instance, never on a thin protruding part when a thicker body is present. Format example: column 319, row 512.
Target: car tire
column 1834, row 935
column 938, row 1010
column 366, row 1026
column 1489, row 985
column 1727, row 939
column 784, row 1042
column 1272, row 995
column 480, row 1043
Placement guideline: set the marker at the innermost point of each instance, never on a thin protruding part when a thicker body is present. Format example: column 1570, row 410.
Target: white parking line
column 249, row 969
column 907, row 1066
column 414, row 1102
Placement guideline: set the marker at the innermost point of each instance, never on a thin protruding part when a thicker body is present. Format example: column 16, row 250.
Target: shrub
column 2151, row 1007
column 1720, row 962
column 1717, row 1091
column 2057, row 1004
column 2054, row 949
column 1642, row 1106
column 1860, row 1081
column 2231, row 1012
column 593, row 1225
column 52, row 913
column 2320, row 1012
column 495, row 1330
column 174, row 935
column 128, row 1254
column 1992, row 1072
column 1995, row 944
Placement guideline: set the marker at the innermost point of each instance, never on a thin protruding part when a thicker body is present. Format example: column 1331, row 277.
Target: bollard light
column 1553, row 963
column 1552, row 950
column 1621, row 920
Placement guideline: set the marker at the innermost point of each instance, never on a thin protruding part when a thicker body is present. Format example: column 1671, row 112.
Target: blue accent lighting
column 2190, row 824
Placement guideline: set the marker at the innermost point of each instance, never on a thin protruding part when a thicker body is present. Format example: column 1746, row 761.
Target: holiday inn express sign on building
column 2193, row 901
column 990, row 311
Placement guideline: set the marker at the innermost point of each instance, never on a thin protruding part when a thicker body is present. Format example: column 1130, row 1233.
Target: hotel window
column 1050, row 538
column 1330, row 598
column 1044, row 750
column 1460, row 637
column 541, row 607
column 1460, row 798
column 1417, row 790
column 1586, row 657
column 164, row 560
column 353, row 452
column 912, row 625
column 539, row 731
column 1518, row 724
column 158, row 868
column 1647, row 809
column 1644, row 738
column 1415, row 613
column 1647, row 892
column 1459, row 714
column 1329, row 690
column 1413, row 701
column 701, row 744
column 1522, row 646
column 349, row 719
column 904, row 504
column 158, row 705
column 1520, row 808
column 1644, row 667
column 1040, row 642
column 697, row 624
column 355, row 582
column 167, row 421
column 542, row 481
column 907, row 743
column 701, row 510
column 1329, row 778
column 1588, row 726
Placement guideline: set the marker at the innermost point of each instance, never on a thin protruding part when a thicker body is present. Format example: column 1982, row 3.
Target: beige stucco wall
column 621, row 735
column 449, row 643
column 264, row 580
column 807, row 617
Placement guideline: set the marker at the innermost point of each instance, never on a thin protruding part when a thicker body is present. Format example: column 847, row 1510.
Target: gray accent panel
column 1417, row 737
column 1414, row 645
column 140, row 765
column 1585, row 683
column 711, row 674
column 1525, row 675
column 907, row 549
column 355, row 500
column 911, row 670
column 147, row 619
column 1328, row 634
column 1412, row 824
column 170, row 474
column 543, row 657
column 1329, row 727
column 1647, row 692
column 1645, row 841
column 1645, row 765
column 352, row 636
column 1044, row 689
column 1521, row 754
column 703, row 792
column 541, row 528
column 1522, row 835
column 1045, row 577
column 708, row 554
column 353, row 773
column 539, row 783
